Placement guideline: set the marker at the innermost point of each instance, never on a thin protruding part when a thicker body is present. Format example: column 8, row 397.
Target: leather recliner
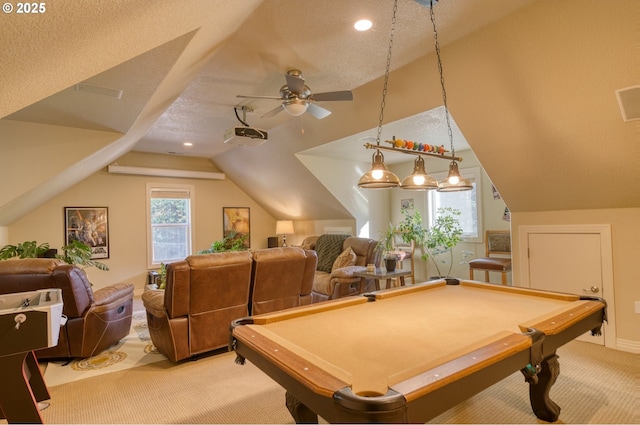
column 332, row 283
column 202, row 296
column 281, row 278
column 95, row 320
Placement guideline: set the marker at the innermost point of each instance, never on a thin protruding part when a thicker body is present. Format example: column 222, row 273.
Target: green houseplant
column 233, row 241
column 79, row 254
column 27, row 249
column 437, row 242
column 386, row 247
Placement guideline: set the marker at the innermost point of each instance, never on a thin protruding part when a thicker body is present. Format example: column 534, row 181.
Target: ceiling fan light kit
column 419, row 179
column 297, row 98
column 295, row 107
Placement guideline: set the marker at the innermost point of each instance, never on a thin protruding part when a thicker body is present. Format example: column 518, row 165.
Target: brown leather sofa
column 281, row 278
column 205, row 293
column 331, row 282
column 95, row 320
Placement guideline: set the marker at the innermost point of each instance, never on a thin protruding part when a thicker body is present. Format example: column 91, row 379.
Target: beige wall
column 625, row 229
column 125, row 196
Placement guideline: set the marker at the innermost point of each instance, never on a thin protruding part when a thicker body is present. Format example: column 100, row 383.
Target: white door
column 567, row 262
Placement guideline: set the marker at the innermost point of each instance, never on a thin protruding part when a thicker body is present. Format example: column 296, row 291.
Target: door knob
column 593, row 289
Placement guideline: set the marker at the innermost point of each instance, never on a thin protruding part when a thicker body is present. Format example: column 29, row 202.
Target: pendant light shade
column 419, row 179
column 454, row 181
column 378, row 177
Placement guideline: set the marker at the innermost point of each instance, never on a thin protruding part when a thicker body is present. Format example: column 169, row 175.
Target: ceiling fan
column 297, row 98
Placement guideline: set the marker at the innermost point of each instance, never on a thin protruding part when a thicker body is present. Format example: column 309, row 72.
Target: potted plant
column 79, row 254
column 437, row 242
column 386, row 246
column 233, row 241
column 27, row 249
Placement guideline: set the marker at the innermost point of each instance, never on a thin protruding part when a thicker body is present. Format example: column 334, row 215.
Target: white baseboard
column 628, row 346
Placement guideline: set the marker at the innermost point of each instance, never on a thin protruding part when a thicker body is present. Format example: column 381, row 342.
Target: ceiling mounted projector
column 245, row 136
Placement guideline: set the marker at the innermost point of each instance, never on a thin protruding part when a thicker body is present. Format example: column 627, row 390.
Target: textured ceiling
column 522, row 83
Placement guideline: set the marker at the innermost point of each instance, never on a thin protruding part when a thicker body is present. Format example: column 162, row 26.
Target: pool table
column 411, row 353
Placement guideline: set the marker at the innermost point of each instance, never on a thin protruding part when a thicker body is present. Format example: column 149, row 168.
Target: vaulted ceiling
column 531, row 86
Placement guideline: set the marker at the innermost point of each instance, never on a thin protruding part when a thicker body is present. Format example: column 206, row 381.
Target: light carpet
column 136, row 349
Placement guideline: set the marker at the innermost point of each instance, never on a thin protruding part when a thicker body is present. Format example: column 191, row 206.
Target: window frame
column 475, row 176
column 168, row 187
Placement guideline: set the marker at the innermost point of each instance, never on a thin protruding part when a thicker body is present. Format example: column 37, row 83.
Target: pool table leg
column 300, row 412
column 543, row 407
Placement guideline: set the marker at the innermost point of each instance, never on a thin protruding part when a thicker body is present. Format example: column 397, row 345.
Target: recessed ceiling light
column 363, row 25
column 187, row 144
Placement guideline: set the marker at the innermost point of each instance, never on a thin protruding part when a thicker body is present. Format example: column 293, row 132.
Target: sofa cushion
column 345, row 259
column 328, row 248
column 322, row 283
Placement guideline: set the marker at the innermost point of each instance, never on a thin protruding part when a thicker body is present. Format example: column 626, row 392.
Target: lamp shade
column 295, row 107
column 284, row 227
column 454, row 181
column 419, row 179
column 378, row 177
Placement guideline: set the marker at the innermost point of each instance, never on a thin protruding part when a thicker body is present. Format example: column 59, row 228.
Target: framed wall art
column 89, row 225
column 236, row 223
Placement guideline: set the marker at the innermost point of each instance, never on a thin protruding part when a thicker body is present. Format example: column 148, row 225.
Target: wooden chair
column 405, row 251
column 497, row 242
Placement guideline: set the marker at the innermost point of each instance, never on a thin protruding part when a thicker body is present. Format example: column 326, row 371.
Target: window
column 467, row 202
column 169, row 215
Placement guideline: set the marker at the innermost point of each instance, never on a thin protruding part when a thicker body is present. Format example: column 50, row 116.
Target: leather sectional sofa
column 95, row 320
column 205, row 293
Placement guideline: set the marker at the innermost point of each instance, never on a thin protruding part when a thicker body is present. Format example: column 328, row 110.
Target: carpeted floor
column 134, row 350
column 596, row 385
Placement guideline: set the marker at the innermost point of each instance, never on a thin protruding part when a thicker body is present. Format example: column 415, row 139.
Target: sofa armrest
column 347, row 272
column 153, row 302
column 113, row 293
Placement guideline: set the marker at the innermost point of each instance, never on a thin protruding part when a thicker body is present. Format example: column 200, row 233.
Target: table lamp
column 284, row 227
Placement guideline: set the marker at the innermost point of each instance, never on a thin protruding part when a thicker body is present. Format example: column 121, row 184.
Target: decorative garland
column 410, row 145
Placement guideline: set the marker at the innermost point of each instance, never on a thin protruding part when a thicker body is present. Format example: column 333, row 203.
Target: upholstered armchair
column 95, row 320
column 339, row 257
column 281, row 278
column 202, row 296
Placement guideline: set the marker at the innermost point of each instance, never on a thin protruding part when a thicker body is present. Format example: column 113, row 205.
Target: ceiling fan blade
column 295, row 83
column 260, row 97
column 275, row 111
column 332, row 95
column 318, row 111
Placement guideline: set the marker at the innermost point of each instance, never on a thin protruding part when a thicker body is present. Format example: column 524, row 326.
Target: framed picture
column 89, row 225
column 236, row 223
column 406, row 204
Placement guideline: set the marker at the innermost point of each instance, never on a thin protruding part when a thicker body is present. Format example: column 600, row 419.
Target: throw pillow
column 328, row 247
column 345, row 259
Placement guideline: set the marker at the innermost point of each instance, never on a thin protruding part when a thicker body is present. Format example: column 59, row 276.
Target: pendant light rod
column 444, row 92
column 435, row 155
column 386, row 73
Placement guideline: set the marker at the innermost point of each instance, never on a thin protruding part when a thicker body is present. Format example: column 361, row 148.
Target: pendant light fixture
column 454, row 181
column 419, row 179
column 379, row 177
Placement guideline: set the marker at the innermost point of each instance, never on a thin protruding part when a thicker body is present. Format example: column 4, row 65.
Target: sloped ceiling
column 530, row 84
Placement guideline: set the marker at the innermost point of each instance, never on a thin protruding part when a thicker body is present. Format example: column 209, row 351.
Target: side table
column 380, row 273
